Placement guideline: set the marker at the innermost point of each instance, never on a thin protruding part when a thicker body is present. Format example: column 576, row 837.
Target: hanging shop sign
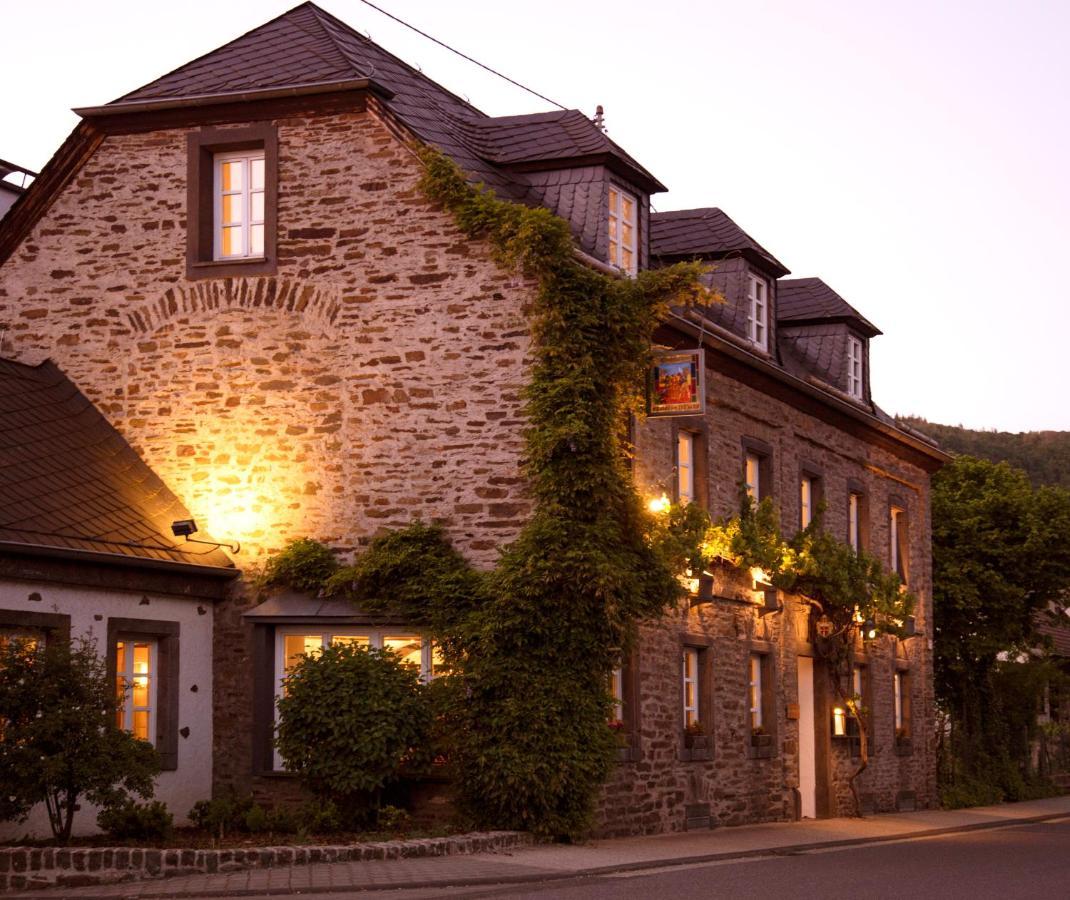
column 677, row 384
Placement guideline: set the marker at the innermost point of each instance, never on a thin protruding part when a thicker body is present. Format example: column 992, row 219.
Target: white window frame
column 854, row 520
column 616, row 230
column 685, row 467
column 127, row 673
column 246, row 192
column 754, row 688
column 376, row 638
column 855, row 367
column 897, row 692
column 616, row 687
column 806, row 500
column 758, row 311
column 753, row 474
column 691, row 710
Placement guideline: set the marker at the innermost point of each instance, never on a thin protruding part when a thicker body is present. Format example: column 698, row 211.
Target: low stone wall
column 37, row 867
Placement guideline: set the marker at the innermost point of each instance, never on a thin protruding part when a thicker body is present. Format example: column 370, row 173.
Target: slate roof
column 69, row 481
column 705, row 232
column 810, row 300
column 308, row 46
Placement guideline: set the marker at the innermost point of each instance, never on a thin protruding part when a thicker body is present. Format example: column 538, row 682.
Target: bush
column 378, row 717
column 304, row 564
column 60, row 744
column 394, row 820
column 127, row 820
column 220, row 815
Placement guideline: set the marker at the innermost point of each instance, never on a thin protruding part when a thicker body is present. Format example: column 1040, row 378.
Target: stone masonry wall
column 375, row 379
column 660, row 787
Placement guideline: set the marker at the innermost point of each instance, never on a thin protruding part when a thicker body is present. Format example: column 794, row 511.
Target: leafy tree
column 1001, row 551
column 350, row 719
column 59, row 741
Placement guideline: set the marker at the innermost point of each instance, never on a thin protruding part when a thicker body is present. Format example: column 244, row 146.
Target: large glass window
column 136, row 673
column 623, row 231
column 239, row 204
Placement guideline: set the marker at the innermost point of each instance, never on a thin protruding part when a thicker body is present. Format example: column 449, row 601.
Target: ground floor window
column 136, row 667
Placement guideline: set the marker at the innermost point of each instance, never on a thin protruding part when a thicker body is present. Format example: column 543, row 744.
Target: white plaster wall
column 90, row 609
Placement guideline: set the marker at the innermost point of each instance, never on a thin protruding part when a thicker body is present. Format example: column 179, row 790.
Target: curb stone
column 34, row 868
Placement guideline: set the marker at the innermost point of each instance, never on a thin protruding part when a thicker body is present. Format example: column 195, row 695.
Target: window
column 136, row 663
column 753, row 476
column 854, row 520
column 293, row 643
column 231, row 202
column 616, row 688
column 238, row 220
column 854, row 367
column 806, row 500
column 755, row 693
column 685, row 467
column 143, row 660
column 622, row 230
column 899, row 551
column 691, row 686
column 758, row 312
column 901, row 694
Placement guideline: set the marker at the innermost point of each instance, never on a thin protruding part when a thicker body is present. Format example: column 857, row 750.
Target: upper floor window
column 685, row 467
column 623, row 230
column 239, row 204
column 753, row 476
column 855, row 503
column 854, row 367
column 899, row 551
column 806, row 500
column 758, row 312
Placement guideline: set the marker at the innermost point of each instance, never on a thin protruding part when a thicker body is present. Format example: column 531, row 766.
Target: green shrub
column 60, row 744
column 394, row 820
column 350, row 719
column 304, row 564
column 127, row 820
column 222, row 815
column 319, row 817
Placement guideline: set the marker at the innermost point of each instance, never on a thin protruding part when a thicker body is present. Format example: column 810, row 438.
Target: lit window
column 291, row 644
column 854, row 520
column 806, row 500
column 856, row 682
column 901, row 692
column 691, row 686
column 622, row 231
column 900, row 543
column 616, row 687
column 136, row 666
column 753, row 476
column 685, row 467
column 854, row 367
column 755, row 691
column 758, row 312
column 239, row 205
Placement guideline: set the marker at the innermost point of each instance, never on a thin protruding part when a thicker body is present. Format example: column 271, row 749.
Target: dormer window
column 854, row 367
column 622, row 231
column 758, row 312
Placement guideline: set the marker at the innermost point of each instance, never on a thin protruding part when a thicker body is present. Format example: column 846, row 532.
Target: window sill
column 222, row 268
column 904, row 747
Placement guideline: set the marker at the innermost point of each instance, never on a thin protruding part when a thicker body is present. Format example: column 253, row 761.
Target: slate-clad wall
column 654, row 791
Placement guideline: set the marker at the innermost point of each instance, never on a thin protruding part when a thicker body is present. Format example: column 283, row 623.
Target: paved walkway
column 555, row 861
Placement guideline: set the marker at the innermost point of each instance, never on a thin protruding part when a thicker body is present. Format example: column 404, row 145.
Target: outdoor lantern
column 659, row 504
column 183, row 527
column 869, row 629
column 839, row 721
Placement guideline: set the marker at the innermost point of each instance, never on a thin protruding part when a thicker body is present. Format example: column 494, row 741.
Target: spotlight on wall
column 183, row 527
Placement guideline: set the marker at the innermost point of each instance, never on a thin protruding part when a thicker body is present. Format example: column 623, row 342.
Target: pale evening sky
column 913, row 154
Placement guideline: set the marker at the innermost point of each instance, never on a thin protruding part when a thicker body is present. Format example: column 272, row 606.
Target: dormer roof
column 706, row 233
column 809, row 301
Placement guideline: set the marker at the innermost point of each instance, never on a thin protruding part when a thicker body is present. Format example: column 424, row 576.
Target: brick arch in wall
column 316, row 305
column 239, row 397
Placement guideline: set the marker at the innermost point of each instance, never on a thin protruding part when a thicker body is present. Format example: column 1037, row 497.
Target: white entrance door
column 807, row 749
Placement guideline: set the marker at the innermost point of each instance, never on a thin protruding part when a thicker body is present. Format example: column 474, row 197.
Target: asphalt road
column 1021, row 861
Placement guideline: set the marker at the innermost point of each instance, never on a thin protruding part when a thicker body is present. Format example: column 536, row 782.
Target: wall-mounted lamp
column 704, row 590
column 660, row 504
column 185, row 527
column 869, row 629
column 839, row 721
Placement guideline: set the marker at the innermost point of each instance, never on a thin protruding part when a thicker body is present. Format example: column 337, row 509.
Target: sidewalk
column 540, row 863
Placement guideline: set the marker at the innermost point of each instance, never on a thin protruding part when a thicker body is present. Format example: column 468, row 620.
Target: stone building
column 236, row 265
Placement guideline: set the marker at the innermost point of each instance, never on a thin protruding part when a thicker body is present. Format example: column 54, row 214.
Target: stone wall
column 660, row 787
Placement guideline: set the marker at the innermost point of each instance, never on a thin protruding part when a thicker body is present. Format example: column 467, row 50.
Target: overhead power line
column 462, row 55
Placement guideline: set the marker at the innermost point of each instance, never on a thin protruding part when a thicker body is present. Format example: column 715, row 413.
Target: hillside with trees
column 1043, row 455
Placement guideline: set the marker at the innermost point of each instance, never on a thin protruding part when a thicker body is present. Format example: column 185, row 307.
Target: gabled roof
column 70, row 482
column 709, row 233
column 809, row 301
column 307, row 46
